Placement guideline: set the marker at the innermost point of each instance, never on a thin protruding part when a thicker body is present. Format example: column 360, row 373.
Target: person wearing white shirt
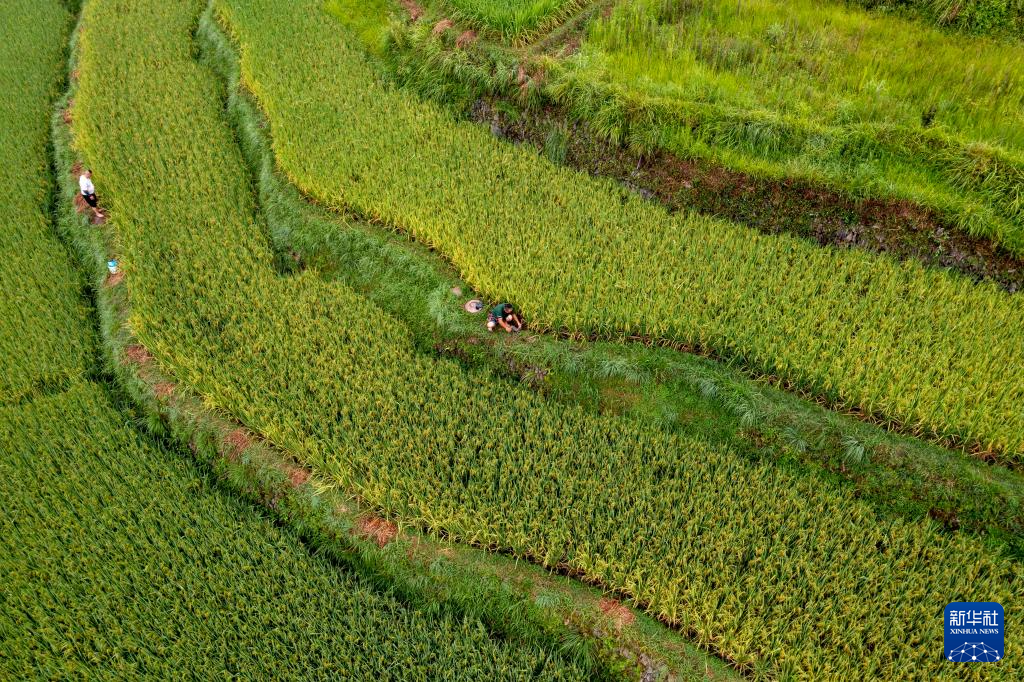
column 89, row 192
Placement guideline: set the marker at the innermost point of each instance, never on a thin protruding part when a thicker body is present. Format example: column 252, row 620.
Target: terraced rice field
column 320, row 371
column 48, row 339
column 121, row 558
column 917, row 347
column 781, row 572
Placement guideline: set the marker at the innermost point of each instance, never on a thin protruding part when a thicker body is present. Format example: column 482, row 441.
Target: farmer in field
column 89, row 192
column 505, row 316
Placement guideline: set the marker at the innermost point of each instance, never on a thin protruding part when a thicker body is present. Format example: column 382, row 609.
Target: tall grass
column 511, row 19
column 877, row 106
column 817, row 61
column 995, row 17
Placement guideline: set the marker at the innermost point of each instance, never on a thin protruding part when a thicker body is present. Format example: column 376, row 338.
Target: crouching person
column 505, row 316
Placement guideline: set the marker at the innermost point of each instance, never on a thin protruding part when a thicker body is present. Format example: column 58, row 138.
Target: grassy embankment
column 513, row 20
column 875, row 106
column 1002, row 18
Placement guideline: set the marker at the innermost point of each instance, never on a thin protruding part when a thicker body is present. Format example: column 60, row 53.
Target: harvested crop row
column 121, row 561
column 44, row 333
column 780, row 573
column 935, row 353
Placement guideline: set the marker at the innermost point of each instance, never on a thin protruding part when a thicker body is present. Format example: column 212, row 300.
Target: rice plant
column 45, row 339
column 123, row 561
column 120, row 559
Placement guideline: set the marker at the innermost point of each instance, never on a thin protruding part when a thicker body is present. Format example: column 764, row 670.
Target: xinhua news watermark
column 974, row 632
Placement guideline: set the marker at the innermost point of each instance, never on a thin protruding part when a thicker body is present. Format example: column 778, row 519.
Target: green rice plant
column 919, row 348
column 775, row 572
column 677, row 391
column 122, row 561
column 45, row 339
column 556, row 146
column 876, row 106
